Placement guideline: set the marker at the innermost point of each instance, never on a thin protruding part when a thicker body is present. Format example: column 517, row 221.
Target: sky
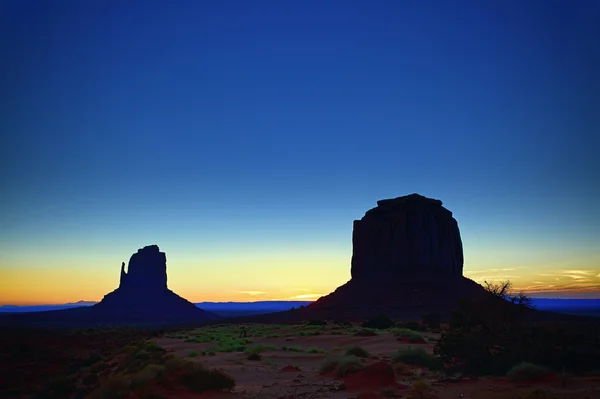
column 244, row 137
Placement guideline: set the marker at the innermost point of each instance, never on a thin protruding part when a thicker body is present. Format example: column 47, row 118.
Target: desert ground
column 272, row 361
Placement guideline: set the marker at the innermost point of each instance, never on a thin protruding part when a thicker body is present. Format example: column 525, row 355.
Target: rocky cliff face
column 147, row 270
column 407, row 260
column 406, row 236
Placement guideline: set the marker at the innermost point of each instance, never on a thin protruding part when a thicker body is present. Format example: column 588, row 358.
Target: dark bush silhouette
column 504, row 290
column 379, row 322
column 410, row 325
column 490, row 336
column 365, row 333
column 357, row 351
column 341, row 365
column 417, row 356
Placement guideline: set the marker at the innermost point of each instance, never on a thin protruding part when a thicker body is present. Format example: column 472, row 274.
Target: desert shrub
column 410, row 325
column 140, row 354
column 417, row 356
column 292, row 348
column 420, row 389
column 253, row 356
column 193, row 354
column 149, row 373
column 316, row 322
column 357, row 351
column 405, row 333
column 489, row 336
column 313, row 349
column 365, row 333
column 113, row 387
column 197, row 378
column 309, row 333
column 527, row 372
column 175, row 363
column 341, row 365
column 416, row 339
column 379, row 322
column 259, row 348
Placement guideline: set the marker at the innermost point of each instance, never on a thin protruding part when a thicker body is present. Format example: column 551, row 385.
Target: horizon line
column 265, row 300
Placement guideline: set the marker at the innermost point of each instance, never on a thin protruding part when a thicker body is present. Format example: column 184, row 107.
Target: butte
column 407, row 260
column 142, row 299
column 143, row 294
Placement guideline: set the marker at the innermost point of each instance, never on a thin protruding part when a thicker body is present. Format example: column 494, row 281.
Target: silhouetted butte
column 143, row 294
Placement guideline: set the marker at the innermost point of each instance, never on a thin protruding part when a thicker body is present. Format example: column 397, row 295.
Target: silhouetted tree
column 503, row 290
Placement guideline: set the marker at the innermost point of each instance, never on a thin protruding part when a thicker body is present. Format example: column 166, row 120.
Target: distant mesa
column 143, row 294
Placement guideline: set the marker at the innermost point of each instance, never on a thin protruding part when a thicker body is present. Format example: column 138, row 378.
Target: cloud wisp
column 306, row 296
column 252, row 293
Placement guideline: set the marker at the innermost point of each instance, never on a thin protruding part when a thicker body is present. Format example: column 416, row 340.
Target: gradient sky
column 244, row 137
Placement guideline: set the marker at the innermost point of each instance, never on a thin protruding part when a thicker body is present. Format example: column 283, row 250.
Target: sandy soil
column 268, row 378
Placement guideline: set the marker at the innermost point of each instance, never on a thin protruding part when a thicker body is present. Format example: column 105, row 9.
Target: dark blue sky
column 262, row 127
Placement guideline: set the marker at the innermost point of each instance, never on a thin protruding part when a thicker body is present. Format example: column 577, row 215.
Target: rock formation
column 147, row 270
column 403, row 236
column 143, row 294
column 407, row 260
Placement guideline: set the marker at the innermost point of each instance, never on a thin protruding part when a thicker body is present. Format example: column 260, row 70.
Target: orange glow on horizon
column 261, row 277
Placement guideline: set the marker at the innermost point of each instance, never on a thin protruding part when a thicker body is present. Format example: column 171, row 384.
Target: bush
column 149, row 373
column 341, row 365
column 416, row 339
column 405, row 333
column 113, row 387
column 259, row 348
column 379, row 322
column 410, row 325
column 316, row 323
column 527, row 372
column 292, row 349
column 365, row 333
column 357, row 351
column 254, row 356
column 198, row 379
column 418, row 357
column 420, row 389
column 312, row 349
